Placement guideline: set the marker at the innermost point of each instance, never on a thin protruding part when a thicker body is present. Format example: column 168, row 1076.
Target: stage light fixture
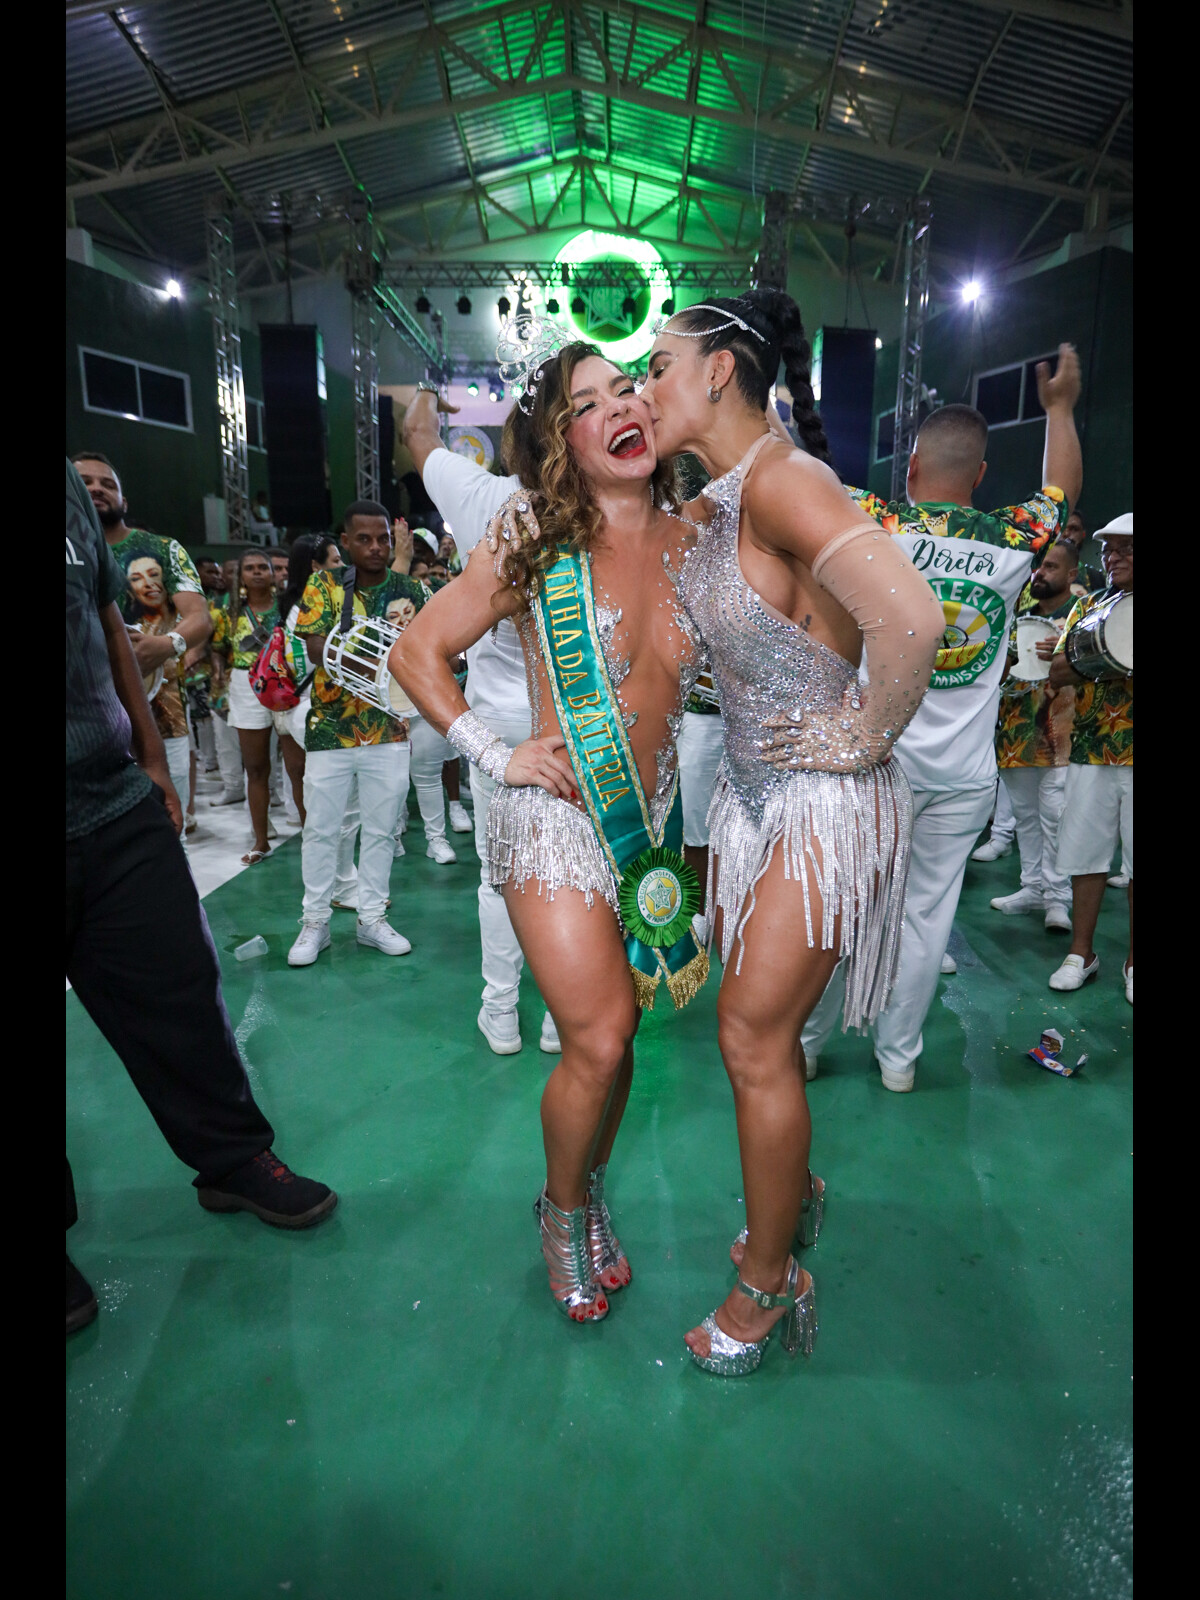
column 496, row 392
column 504, row 305
column 668, row 308
column 552, row 306
column 578, row 306
column 174, row 288
column 423, row 305
column 878, row 342
column 472, row 389
column 463, row 306
column 628, row 306
column 971, row 291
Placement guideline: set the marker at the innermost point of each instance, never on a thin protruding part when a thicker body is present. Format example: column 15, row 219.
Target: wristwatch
column 178, row 644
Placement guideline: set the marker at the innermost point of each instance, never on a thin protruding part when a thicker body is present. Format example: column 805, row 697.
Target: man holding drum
column 350, row 738
column 1095, row 654
column 1033, row 739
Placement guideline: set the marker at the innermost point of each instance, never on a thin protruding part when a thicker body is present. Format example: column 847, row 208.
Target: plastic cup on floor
column 252, row 947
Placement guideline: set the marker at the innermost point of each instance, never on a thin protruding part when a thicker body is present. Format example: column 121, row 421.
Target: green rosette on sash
column 658, row 892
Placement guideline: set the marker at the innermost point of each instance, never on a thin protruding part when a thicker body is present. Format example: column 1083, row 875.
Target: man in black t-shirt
column 145, row 969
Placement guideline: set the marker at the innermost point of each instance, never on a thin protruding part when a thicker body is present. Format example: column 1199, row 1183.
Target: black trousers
column 142, row 961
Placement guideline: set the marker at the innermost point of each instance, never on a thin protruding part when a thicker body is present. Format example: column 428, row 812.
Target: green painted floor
column 390, row 1406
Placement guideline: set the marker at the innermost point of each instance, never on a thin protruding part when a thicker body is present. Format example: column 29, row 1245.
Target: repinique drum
column 703, row 690
column 1029, row 666
column 1100, row 645
column 357, row 661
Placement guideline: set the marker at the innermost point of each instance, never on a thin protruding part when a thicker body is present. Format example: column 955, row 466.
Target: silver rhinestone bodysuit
column 844, row 836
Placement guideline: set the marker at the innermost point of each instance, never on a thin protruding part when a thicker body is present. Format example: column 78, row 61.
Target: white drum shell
column 357, row 661
column 1029, row 667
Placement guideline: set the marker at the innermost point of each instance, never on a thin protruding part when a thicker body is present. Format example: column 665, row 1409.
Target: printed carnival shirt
column 976, row 563
column 1034, row 725
column 156, row 570
column 337, row 719
column 1103, row 732
column 242, row 642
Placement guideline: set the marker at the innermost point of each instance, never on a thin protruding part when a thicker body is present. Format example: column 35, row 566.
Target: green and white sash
column 658, row 892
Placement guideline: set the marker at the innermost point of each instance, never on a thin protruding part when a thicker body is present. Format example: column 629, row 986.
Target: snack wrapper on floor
column 1046, row 1053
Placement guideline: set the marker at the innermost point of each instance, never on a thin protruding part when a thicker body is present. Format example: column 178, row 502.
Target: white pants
column 1004, row 823
column 381, row 774
column 1098, row 810
column 205, row 744
column 1036, row 795
column 701, row 744
column 229, row 756
column 429, row 751
column 946, row 823
column 502, row 958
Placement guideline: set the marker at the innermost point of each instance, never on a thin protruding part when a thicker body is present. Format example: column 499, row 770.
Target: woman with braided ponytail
column 810, row 829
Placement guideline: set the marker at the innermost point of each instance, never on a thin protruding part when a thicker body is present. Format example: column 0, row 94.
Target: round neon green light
column 622, row 335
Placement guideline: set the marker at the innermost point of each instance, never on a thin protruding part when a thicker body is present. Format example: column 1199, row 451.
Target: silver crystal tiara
column 525, row 345
column 703, row 333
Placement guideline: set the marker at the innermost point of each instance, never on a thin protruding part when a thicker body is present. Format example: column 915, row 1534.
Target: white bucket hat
column 1119, row 525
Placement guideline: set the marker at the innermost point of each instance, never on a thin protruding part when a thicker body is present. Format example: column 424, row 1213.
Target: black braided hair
column 776, row 316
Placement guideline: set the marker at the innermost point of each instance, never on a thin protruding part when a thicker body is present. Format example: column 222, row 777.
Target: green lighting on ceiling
column 622, row 335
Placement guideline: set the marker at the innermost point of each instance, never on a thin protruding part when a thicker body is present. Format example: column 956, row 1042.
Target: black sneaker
column 272, row 1191
column 81, row 1299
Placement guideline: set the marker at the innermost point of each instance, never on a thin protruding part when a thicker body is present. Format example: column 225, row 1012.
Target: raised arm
column 800, row 508
column 457, row 617
column 1062, row 463
column 422, row 431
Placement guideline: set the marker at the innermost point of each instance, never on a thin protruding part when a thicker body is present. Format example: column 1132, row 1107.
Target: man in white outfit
column 977, row 563
column 467, row 496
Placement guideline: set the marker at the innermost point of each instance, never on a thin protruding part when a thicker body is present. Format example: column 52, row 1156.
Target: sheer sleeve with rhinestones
column 870, row 576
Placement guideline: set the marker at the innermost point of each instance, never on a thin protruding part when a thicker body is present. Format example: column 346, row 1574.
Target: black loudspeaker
column 293, row 374
column 844, row 380
column 389, row 489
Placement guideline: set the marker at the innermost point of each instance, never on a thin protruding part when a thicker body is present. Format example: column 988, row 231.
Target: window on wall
column 256, row 436
column 1008, row 395
column 135, row 390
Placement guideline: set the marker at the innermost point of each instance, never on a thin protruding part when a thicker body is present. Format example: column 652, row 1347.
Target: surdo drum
column 357, row 660
column 1100, row 646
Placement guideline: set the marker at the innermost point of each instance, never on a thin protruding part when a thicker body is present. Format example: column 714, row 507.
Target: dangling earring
column 242, row 592
column 714, row 394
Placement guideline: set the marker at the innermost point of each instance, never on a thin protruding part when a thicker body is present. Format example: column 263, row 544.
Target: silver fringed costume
column 851, row 829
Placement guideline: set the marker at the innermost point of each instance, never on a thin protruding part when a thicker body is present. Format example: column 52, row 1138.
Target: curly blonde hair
column 535, row 449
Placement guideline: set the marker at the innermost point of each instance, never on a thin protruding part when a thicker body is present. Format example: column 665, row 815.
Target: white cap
column 1119, row 525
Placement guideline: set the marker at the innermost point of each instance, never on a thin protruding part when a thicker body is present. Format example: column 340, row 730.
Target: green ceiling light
column 472, row 389
column 619, row 321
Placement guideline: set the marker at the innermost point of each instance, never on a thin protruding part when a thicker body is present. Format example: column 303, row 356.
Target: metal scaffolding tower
column 912, row 337
column 364, row 357
column 770, row 270
column 231, row 393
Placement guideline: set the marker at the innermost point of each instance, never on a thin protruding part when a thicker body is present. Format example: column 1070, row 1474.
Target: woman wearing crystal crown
column 810, row 820
column 584, row 828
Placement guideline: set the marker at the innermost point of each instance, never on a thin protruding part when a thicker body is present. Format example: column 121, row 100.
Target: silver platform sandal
column 610, row 1264
column 730, row 1358
column 568, row 1261
column 812, row 1214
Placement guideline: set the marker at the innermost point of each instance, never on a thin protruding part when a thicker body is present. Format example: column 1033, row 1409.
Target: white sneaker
column 549, row 1042
column 992, row 850
column 460, row 822
column 399, row 850
column 897, row 1082
column 1119, row 880
column 314, row 937
column 501, row 1029
column 1127, row 974
column 1073, row 974
column 949, row 965
column 811, row 1066
column 1058, row 918
column 441, row 851
column 1015, row 905
column 382, row 936
column 227, row 799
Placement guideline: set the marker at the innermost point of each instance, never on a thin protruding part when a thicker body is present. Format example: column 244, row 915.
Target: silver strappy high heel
column 812, row 1214
column 568, row 1261
column 610, row 1264
column 731, row 1358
